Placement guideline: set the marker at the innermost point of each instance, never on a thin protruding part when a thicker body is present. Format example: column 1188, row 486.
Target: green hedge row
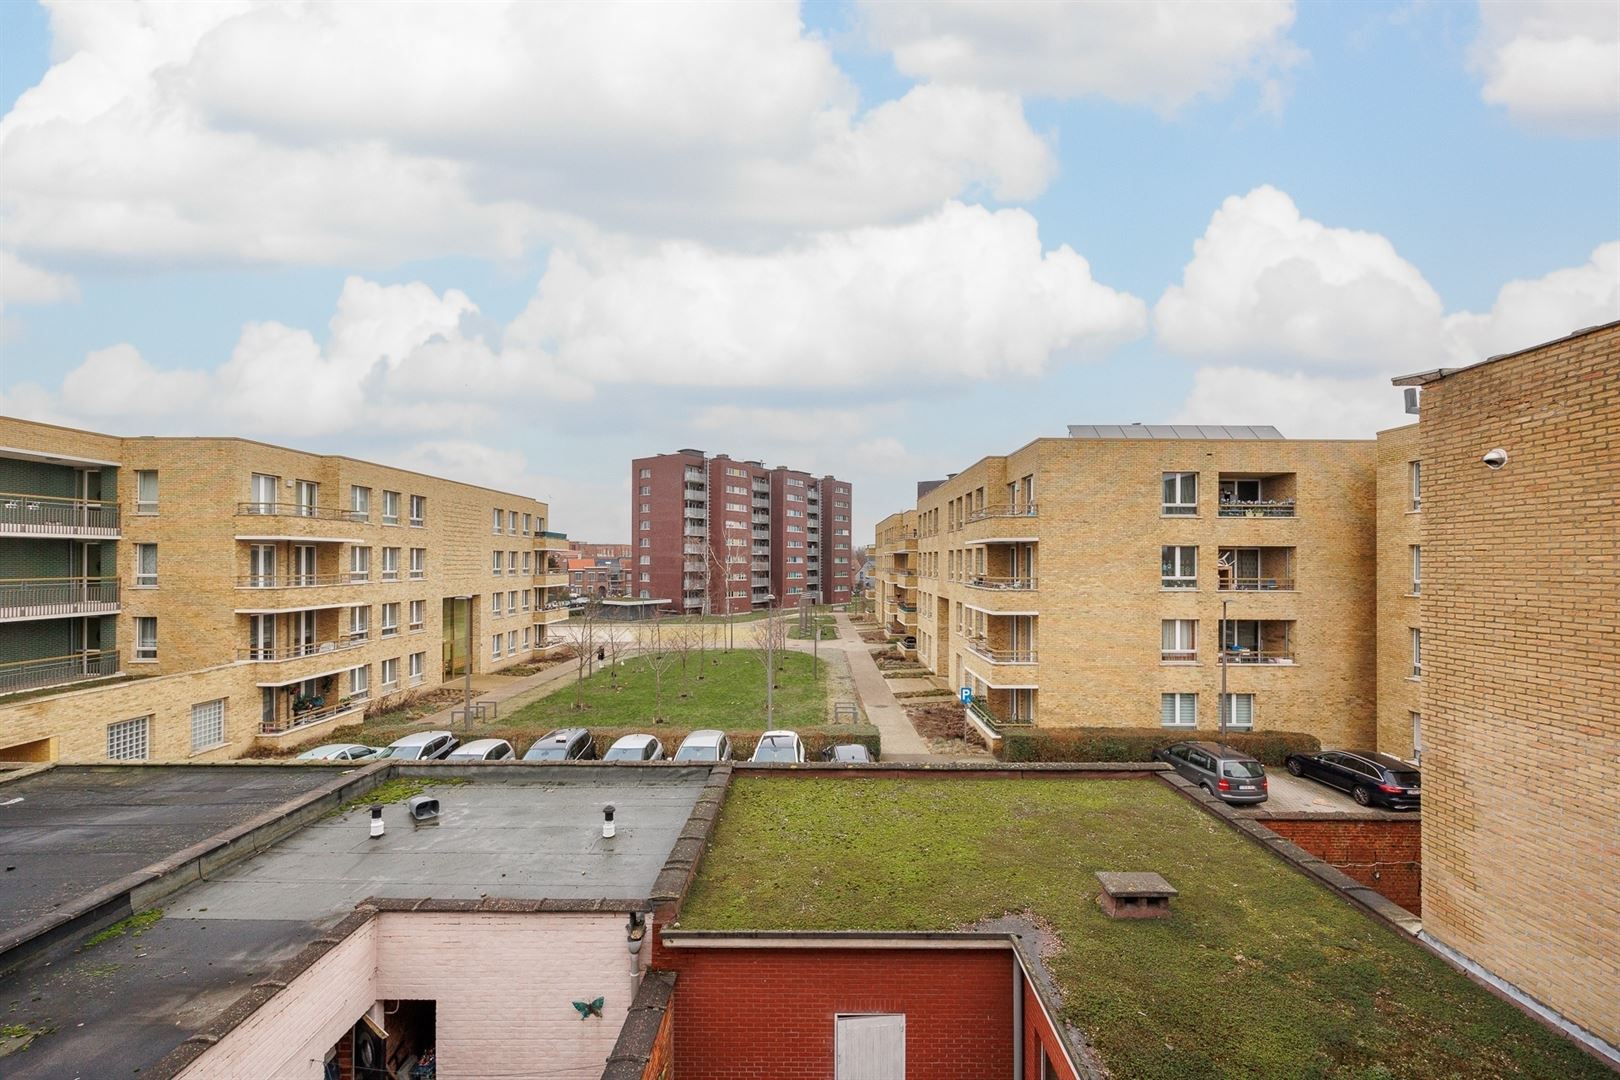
column 1138, row 744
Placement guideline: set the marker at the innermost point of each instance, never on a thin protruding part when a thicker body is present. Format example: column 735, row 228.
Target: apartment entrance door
column 453, row 646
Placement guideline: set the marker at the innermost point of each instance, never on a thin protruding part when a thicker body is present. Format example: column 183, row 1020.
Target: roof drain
column 608, row 828
column 376, row 821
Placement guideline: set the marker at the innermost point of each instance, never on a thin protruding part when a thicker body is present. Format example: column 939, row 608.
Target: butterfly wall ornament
column 588, row 1009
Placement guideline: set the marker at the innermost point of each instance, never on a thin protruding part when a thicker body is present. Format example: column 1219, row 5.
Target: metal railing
column 290, row 581
column 24, row 515
column 1255, row 584
column 1178, row 656
column 979, row 647
column 36, row 597
column 988, row 512
column 984, row 581
column 283, row 724
column 981, row 708
column 1237, row 655
column 16, row 675
column 297, row 650
column 293, row 509
column 1270, row 508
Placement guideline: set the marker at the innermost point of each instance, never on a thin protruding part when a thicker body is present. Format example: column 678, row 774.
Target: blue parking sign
column 967, row 694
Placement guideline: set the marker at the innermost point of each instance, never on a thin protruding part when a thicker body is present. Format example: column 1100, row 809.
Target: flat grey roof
column 517, row 831
column 1173, row 431
column 70, row 830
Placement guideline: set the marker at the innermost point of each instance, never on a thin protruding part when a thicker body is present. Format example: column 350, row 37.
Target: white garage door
column 870, row 1047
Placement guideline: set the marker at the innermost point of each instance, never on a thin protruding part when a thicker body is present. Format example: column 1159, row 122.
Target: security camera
column 1496, row 458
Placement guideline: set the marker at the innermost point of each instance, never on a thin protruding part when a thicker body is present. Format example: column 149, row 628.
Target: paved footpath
column 507, row 692
column 900, row 740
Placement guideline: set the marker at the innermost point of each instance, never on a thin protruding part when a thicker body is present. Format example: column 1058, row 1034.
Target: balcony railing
column 1239, row 655
column 981, row 708
column 1255, row 584
column 16, row 675
column 43, row 515
column 979, row 647
column 33, row 598
column 283, row 724
column 983, row 581
column 284, row 509
column 291, row 581
column 1271, row 508
column 999, row 512
column 297, row 650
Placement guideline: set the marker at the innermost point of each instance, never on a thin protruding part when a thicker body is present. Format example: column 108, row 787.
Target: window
column 646, row 577
column 418, row 662
column 360, row 681
column 390, row 619
column 511, row 602
column 645, row 490
column 145, row 639
column 207, row 725
column 495, row 603
column 1414, row 474
column 390, row 564
column 528, row 520
column 525, row 599
column 526, row 562
column 127, row 739
column 1180, row 494
column 645, row 526
column 1417, row 737
column 418, row 563
column 511, row 563
column 495, row 646
column 496, row 565
column 1238, row 711
column 1178, row 567
column 146, row 491
column 264, row 489
column 646, row 542
column 308, row 494
column 646, row 560
column 1178, row 710
column 146, row 565
column 390, row 673
column 1417, row 569
column 359, row 564
column 1179, row 640
column 418, row 510
column 390, row 514
column 1417, row 653
column 511, row 522
column 526, row 638
column 359, row 503
column 359, row 622
column 497, row 517
column 646, row 474
column 511, row 643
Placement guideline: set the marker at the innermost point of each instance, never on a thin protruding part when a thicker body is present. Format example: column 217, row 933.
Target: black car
column 565, row 744
column 1371, row 778
column 1226, row 773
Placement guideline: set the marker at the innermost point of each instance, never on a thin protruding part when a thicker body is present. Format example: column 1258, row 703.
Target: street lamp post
column 466, row 697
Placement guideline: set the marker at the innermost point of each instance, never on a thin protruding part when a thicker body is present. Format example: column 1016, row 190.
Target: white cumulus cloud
column 1531, row 311
column 1158, row 53
column 1553, row 64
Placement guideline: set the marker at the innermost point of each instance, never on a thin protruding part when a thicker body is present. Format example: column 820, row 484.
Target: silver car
column 1226, row 773
column 705, row 745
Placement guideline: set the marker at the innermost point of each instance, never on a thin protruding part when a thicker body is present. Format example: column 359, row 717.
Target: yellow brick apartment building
column 178, row 598
column 1112, row 577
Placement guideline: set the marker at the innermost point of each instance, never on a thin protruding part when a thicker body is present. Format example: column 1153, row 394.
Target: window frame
column 143, row 505
column 119, row 729
column 215, row 725
column 1176, row 710
column 1180, row 481
column 1166, row 580
column 145, row 650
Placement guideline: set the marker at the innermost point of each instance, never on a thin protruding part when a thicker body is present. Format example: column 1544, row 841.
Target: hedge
column 1138, row 744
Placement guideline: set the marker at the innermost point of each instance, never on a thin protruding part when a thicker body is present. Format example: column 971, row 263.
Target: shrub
column 1138, row 744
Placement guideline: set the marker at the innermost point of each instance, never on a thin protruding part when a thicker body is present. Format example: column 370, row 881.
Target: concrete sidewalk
column 508, row 693
column 900, row 740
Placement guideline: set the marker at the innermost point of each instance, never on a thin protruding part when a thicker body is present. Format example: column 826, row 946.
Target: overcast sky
column 521, row 244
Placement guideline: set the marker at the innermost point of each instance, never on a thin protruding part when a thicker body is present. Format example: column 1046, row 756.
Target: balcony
column 1265, row 569
column 694, row 530
column 1256, row 641
column 46, row 516
column 906, row 615
column 51, row 598
column 275, row 654
column 301, row 510
column 319, row 714
column 983, row 581
column 981, row 647
column 293, row 581
column 45, row 672
column 1270, row 496
column 692, row 549
column 1002, row 526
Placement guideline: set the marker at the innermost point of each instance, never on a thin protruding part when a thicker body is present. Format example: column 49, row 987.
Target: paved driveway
column 1296, row 795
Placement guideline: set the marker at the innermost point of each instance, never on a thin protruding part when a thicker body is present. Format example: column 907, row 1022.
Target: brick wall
column 1521, row 601
column 1038, row 1036
column 1386, row 856
column 1399, row 694
column 769, row 1013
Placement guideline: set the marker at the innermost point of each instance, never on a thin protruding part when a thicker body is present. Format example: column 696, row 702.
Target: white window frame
column 390, row 507
column 359, row 564
column 1236, row 704
column 415, row 668
column 390, row 564
column 418, row 563
column 418, row 511
column 1417, row 569
column 1177, row 483
column 389, row 626
column 359, row 502
column 1179, row 580
column 1183, row 710
column 1414, row 484
column 207, row 725
column 360, row 622
column 390, row 667
column 418, row 614
column 495, row 646
column 146, row 497
column 146, row 645
column 1178, row 641
column 144, row 578
column 129, row 740
column 360, row 681
column 1417, row 653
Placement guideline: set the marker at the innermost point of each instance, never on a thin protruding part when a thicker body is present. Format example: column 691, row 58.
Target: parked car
column 635, row 748
column 1371, row 778
column 340, row 752
column 909, row 643
column 847, row 754
column 779, row 746
column 1224, row 772
column 482, row 750
column 564, row 744
column 422, row 746
column 705, row 745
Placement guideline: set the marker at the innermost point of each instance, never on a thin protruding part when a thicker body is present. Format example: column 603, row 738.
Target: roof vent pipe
column 608, row 827
column 376, row 822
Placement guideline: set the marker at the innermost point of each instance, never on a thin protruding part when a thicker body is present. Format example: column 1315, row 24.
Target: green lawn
column 731, row 695
column 1259, row 972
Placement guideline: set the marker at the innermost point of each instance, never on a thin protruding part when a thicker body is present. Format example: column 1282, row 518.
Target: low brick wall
column 1384, row 855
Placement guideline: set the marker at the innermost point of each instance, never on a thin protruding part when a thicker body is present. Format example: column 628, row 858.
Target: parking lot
column 1296, row 795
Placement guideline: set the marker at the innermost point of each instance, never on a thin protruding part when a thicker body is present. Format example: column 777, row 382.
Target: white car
column 635, row 748
column 482, row 750
column 705, row 745
column 422, row 746
column 340, row 751
column 779, row 746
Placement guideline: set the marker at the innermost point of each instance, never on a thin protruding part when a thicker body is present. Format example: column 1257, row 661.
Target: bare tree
column 683, row 641
column 770, row 638
column 585, row 634
column 658, row 659
column 614, row 648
